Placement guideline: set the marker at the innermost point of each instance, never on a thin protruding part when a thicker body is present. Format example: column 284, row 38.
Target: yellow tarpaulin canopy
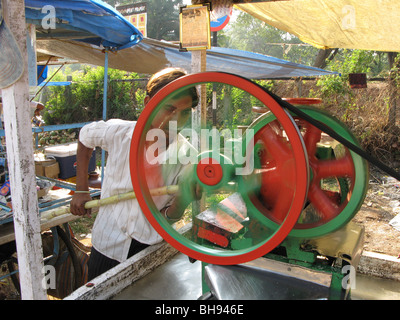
column 350, row 24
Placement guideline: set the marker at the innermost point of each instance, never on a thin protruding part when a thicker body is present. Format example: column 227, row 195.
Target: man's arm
column 78, row 201
column 189, row 190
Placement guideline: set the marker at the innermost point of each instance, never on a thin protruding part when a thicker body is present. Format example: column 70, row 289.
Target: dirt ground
column 379, row 208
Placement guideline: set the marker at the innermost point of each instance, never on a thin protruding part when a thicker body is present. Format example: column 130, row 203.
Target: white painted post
column 199, row 64
column 21, row 166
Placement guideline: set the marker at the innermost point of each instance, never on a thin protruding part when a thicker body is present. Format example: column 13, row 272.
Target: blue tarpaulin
column 150, row 56
column 42, row 74
column 90, row 21
column 55, row 84
column 248, row 64
column 96, row 23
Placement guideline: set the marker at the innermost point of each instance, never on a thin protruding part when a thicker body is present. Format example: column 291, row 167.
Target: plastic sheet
column 351, row 24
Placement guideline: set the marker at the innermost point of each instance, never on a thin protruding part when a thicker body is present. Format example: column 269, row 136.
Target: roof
column 88, row 21
column 150, row 56
column 85, row 27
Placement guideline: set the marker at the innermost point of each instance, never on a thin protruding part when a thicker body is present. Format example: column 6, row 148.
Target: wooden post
column 393, row 74
column 299, row 87
column 21, row 166
column 105, row 88
column 199, row 64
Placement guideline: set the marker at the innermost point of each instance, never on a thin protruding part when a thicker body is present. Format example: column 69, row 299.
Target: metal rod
column 172, row 189
column 103, row 153
column 46, row 82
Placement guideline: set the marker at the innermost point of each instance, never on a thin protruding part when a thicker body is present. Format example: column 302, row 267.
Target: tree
column 114, row 3
column 83, row 100
column 251, row 34
column 323, row 56
column 162, row 17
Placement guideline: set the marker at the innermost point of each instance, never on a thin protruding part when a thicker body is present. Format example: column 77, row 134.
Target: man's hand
column 189, row 190
column 77, row 205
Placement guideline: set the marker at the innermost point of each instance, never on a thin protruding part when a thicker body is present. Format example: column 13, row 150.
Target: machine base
column 319, row 268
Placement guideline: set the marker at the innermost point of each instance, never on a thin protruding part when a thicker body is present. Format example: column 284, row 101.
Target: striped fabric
column 116, row 224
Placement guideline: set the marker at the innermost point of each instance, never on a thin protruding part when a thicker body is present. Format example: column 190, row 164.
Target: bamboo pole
column 109, row 200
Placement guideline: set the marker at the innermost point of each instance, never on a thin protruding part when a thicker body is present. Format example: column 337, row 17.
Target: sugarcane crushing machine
column 278, row 195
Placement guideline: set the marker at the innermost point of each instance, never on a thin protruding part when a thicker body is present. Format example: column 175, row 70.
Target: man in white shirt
column 122, row 230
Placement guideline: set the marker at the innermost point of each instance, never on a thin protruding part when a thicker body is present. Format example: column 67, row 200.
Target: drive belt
column 321, row 126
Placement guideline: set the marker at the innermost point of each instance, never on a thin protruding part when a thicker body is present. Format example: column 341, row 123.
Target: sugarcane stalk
column 109, row 200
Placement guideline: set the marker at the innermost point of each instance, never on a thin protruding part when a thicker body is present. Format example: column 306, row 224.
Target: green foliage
column 251, row 34
column 162, row 17
column 395, row 71
column 333, row 86
column 234, row 105
column 349, row 61
column 366, row 112
column 354, row 61
column 82, row 101
column 247, row 31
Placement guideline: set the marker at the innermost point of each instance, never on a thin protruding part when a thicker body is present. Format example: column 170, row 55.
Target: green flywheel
column 338, row 176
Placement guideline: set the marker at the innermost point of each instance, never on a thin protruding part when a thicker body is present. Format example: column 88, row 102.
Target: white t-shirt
column 116, row 224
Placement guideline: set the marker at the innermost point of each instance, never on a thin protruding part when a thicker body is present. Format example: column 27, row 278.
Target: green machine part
column 304, row 186
column 226, row 235
column 326, row 244
column 329, row 263
column 338, row 177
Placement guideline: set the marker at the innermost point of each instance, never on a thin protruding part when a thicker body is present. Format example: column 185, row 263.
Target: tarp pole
column 214, row 105
column 47, row 82
column 199, row 64
column 103, row 152
column 21, row 165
